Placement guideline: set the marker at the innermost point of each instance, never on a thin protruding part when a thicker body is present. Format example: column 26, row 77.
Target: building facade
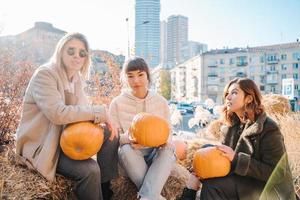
column 185, row 80
column 266, row 65
column 192, row 49
column 147, row 30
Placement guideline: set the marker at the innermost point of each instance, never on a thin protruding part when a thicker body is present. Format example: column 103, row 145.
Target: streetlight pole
column 128, row 39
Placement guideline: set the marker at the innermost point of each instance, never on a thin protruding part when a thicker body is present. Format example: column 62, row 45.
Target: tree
column 165, row 86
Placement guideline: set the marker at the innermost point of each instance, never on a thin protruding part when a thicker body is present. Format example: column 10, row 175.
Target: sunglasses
column 82, row 53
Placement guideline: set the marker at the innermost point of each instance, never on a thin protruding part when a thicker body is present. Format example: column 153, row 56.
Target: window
column 296, row 87
column 272, row 68
column 295, row 65
column 262, row 79
column 252, row 78
column 272, row 57
column 296, row 56
column 262, row 69
column 241, row 60
column 283, row 76
column 262, row 59
column 222, row 61
column 273, row 89
column 295, row 76
column 283, row 57
column 231, row 61
column 262, row 88
column 283, row 66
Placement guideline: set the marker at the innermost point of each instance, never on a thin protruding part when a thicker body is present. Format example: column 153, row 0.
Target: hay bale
column 214, row 129
column 276, row 105
column 290, row 129
column 17, row 182
column 124, row 188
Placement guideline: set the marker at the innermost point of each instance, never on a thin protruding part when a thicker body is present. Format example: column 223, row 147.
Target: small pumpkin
column 149, row 130
column 180, row 149
column 210, row 163
column 81, row 140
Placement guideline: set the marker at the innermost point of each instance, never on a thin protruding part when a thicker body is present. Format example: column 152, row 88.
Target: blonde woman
column 53, row 99
column 148, row 168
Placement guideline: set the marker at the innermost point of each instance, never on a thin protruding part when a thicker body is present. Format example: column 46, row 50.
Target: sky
column 218, row 23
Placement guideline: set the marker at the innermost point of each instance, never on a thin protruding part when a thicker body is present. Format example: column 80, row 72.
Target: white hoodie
column 125, row 106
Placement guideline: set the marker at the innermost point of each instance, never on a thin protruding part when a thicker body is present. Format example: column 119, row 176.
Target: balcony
column 272, row 72
column 212, row 66
column 272, row 61
column 212, row 75
column 241, row 74
column 272, row 79
column 241, row 64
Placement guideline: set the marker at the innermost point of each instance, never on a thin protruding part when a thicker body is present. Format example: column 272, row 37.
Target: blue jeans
column 148, row 168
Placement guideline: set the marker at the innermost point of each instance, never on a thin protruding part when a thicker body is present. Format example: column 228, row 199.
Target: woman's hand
column 124, row 139
column 227, row 151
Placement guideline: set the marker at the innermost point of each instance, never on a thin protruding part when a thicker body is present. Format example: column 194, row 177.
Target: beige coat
column 47, row 107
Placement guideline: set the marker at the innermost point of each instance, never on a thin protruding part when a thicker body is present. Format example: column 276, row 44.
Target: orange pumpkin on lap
column 82, row 140
column 210, row 163
column 149, row 130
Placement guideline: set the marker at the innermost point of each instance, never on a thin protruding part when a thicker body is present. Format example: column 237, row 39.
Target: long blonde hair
column 56, row 58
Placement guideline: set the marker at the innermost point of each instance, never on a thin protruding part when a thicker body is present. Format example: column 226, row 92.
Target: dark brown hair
column 136, row 63
column 253, row 109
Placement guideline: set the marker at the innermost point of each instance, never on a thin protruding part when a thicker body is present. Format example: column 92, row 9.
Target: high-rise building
column 192, row 49
column 177, row 38
column 147, row 30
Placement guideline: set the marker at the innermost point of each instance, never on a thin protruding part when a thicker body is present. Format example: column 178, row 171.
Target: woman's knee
column 219, row 182
column 166, row 153
column 92, row 169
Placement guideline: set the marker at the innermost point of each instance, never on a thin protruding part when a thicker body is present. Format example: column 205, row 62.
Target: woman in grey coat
column 53, row 99
column 254, row 145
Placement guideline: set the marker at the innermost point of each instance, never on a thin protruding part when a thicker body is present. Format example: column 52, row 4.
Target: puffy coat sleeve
column 271, row 149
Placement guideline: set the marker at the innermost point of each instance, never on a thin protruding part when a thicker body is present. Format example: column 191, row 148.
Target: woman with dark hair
column 148, row 168
column 254, row 145
column 53, row 99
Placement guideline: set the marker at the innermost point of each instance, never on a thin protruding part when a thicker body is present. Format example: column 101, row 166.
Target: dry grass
column 17, row 182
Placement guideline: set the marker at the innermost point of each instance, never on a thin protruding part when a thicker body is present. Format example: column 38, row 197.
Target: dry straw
column 124, row 189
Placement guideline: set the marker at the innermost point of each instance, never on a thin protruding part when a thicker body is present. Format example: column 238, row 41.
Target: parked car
column 188, row 107
column 182, row 110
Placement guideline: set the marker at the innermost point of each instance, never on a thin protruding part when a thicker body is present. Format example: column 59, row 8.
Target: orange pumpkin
column 149, row 130
column 180, row 147
column 209, row 163
column 82, row 140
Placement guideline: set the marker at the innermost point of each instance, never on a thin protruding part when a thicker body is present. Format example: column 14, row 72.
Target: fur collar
column 250, row 127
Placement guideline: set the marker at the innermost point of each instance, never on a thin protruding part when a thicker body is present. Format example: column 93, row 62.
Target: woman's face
column 137, row 80
column 235, row 99
column 74, row 55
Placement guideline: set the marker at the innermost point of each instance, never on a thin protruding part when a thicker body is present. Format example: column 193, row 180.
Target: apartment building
column 266, row 65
